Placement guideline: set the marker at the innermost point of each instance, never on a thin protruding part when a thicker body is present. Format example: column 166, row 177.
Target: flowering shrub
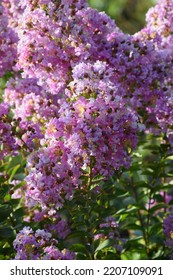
column 86, row 133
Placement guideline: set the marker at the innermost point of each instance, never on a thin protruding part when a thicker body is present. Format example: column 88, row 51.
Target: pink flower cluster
column 8, row 41
column 159, row 31
column 38, row 245
column 160, row 19
column 7, row 141
column 13, row 10
column 69, row 104
column 168, row 231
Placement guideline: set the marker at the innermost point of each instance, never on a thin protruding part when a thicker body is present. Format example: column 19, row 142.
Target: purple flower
column 38, row 245
column 8, row 41
column 52, row 253
column 7, row 140
column 168, row 231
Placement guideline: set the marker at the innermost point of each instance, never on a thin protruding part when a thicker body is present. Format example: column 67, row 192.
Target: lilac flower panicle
column 8, row 41
column 168, row 231
column 38, row 245
column 7, row 140
column 158, row 32
column 52, row 253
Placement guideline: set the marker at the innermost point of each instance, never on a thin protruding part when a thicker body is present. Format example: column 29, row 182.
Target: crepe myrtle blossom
column 51, row 179
column 168, row 231
column 54, row 223
column 163, row 112
column 17, row 88
column 54, row 36
column 52, row 253
column 8, row 41
column 38, row 245
column 35, row 109
column 59, row 227
column 159, row 32
column 109, row 229
column 58, row 38
column 32, row 107
column 94, row 128
column 7, row 140
column 160, row 19
column 13, row 10
column 25, row 92
column 88, row 133
column 158, row 27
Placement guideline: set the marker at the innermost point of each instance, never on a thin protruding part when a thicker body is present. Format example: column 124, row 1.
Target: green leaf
column 148, row 171
column 158, row 198
column 133, row 226
column 2, row 179
column 13, row 171
column 80, row 248
column 81, row 256
column 6, row 232
column 127, row 210
column 111, row 256
column 75, row 237
column 158, row 206
column 4, row 190
column 14, row 202
column 123, row 195
column 151, row 147
column 105, row 244
column 4, row 212
column 19, row 176
column 18, row 215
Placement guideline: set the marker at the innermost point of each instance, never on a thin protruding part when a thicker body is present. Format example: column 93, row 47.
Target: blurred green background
column 129, row 15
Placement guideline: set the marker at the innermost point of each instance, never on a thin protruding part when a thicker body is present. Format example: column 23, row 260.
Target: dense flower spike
column 7, row 141
column 67, row 33
column 160, row 21
column 14, row 10
column 95, row 129
column 159, row 25
column 70, row 104
column 168, row 231
column 18, row 88
column 7, row 44
column 38, row 245
column 51, row 179
column 29, row 101
column 159, row 32
column 85, row 128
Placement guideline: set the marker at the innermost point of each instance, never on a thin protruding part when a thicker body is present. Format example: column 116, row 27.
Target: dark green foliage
column 11, row 210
